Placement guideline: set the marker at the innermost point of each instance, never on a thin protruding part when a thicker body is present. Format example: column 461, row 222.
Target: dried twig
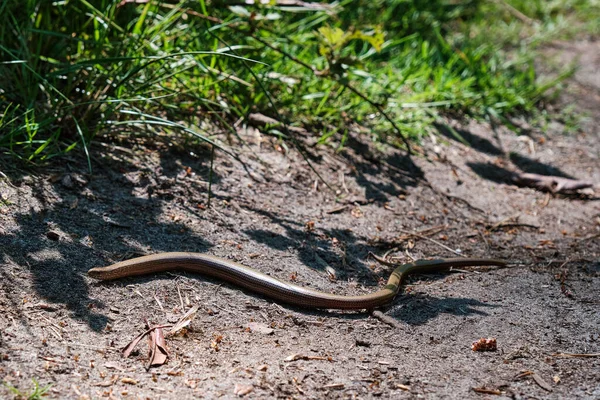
column 552, row 184
column 516, row 13
column 582, row 355
column 485, row 390
column 583, row 239
column 386, row 319
column 432, row 241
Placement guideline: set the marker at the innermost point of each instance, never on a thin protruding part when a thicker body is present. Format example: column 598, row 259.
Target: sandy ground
column 151, row 195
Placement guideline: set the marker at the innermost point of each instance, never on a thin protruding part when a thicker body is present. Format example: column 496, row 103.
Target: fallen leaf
column 184, row 321
column 330, row 273
column 541, row 382
column 485, row 345
column 129, row 381
column 158, row 348
column 131, row 345
column 129, row 348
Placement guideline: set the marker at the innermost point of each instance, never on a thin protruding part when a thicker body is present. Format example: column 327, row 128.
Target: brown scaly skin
column 268, row 286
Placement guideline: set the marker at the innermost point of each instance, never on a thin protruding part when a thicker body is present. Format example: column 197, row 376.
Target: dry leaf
column 542, row 383
column 485, row 345
column 129, row 348
column 131, row 345
column 330, row 273
column 184, row 321
column 129, row 381
column 158, row 348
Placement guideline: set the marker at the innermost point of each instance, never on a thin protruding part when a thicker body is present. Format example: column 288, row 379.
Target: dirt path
column 60, row 327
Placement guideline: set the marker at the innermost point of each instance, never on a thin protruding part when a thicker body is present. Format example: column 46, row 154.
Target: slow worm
column 273, row 288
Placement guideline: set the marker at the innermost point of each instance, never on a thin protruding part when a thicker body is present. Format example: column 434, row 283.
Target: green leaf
column 375, row 39
column 334, row 37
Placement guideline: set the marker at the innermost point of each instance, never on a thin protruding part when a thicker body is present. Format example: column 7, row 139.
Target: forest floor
column 60, row 327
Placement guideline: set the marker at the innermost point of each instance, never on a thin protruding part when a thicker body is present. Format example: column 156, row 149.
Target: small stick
column 583, row 239
column 584, row 355
column 386, row 319
column 210, row 174
column 383, row 261
column 343, row 179
column 516, row 13
column 433, row 241
column 158, row 302
column 180, row 298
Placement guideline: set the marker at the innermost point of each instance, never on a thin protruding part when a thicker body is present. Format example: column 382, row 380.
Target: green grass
column 37, row 393
column 74, row 69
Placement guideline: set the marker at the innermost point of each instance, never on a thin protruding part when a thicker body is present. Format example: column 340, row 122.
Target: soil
column 150, row 195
